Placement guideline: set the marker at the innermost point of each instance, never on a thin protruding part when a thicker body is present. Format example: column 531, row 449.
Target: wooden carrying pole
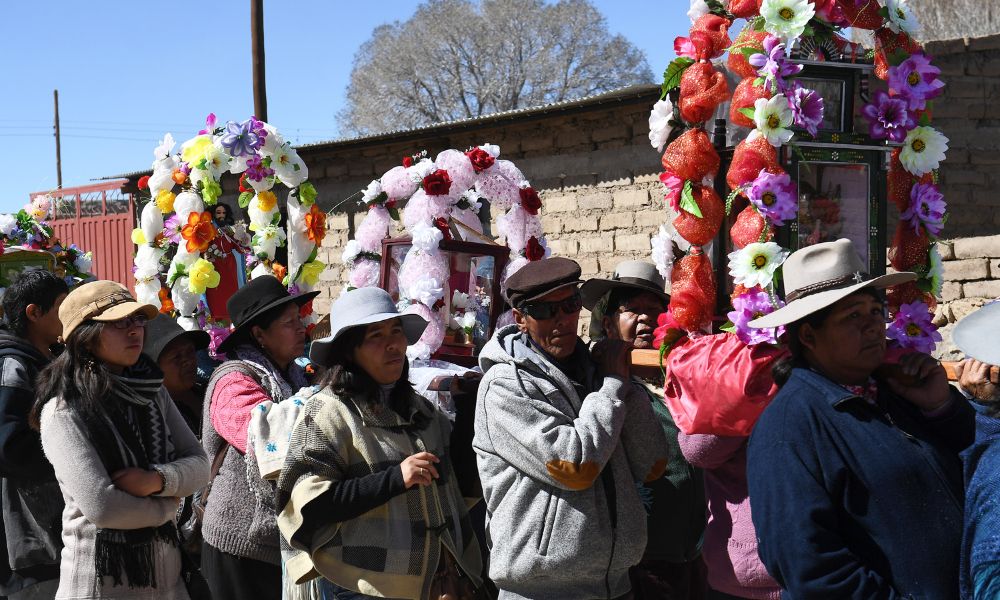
column 257, row 48
column 55, row 97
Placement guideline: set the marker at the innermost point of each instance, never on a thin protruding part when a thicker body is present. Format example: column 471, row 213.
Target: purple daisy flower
column 888, row 118
column 807, row 108
column 773, row 65
column 239, row 139
column 912, row 328
column 916, row 81
column 750, row 306
column 256, row 170
column 172, row 228
column 927, row 207
column 185, row 168
column 257, row 126
column 774, row 196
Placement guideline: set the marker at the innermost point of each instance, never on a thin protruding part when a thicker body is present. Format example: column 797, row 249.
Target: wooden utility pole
column 257, row 48
column 55, row 97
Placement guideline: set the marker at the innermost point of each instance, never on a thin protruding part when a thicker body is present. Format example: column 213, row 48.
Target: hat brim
column 239, row 333
column 125, row 309
column 977, row 333
column 200, row 339
column 524, row 301
column 803, row 307
column 413, row 328
column 593, row 290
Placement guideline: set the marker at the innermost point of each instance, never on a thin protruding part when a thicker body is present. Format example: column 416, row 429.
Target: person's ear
column 34, row 312
column 807, row 337
column 257, row 334
column 521, row 320
column 610, row 328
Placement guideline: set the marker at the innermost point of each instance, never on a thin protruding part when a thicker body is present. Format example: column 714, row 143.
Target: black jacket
column 29, row 494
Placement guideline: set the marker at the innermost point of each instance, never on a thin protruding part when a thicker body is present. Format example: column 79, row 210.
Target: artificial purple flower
column 172, row 228
column 209, row 125
column 773, row 65
column 256, row 170
column 888, row 118
column 747, row 307
column 185, row 168
column 257, row 126
column 774, row 196
column 912, row 328
column 240, row 139
column 927, row 207
column 807, row 108
column 916, row 81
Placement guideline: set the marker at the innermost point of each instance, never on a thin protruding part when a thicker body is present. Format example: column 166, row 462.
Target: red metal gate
column 98, row 218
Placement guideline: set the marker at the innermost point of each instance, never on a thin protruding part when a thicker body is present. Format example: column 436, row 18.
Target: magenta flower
column 750, row 306
column 773, row 65
column 172, row 228
column 256, row 171
column 209, row 125
column 888, row 118
column 217, row 335
column 927, row 207
column 774, row 196
column 807, row 108
column 674, row 186
column 912, row 328
column 916, row 81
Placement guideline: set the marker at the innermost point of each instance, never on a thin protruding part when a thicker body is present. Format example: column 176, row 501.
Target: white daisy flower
column 786, row 19
column 756, row 263
column 923, row 150
column 902, row 18
column 774, row 118
column 659, row 123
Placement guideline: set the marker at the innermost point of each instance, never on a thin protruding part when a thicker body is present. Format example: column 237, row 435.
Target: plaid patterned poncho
column 393, row 549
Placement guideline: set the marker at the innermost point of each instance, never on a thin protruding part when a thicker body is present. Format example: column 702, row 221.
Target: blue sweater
column 854, row 500
column 981, row 542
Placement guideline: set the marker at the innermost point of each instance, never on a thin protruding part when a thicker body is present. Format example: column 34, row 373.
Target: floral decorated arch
column 178, row 242
column 436, row 192
column 770, row 101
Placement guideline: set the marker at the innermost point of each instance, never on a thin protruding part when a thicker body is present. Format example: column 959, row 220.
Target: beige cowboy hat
column 817, row 276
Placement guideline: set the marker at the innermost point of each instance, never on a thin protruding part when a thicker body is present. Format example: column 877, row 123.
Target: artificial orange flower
column 316, row 224
column 279, row 270
column 179, row 177
column 166, row 303
column 199, row 231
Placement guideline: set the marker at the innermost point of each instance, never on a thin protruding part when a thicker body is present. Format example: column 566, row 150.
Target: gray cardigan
column 93, row 502
column 559, row 471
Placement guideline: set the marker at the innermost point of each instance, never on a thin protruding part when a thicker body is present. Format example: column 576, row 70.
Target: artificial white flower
column 425, row 291
column 756, row 263
column 699, row 8
column 238, row 164
column 774, row 118
column 182, row 256
column 935, row 271
column 216, row 160
column 7, row 224
column 185, row 301
column 923, row 150
column 371, row 192
column 491, row 149
column 186, row 203
column 663, row 251
column 148, row 258
column 659, row 123
column 421, row 169
column 162, row 177
column 260, row 218
column 165, row 148
column 459, row 300
column 426, row 238
column 418, row 352
column 261, row 186
column 474, row 199
column 268, row 239
column 147, row 286
column 786, row 19
column 288, row 166
column 189, row 323
column 351, row 251
column 468, row 320
column 261, row 269
column 83, row 262
column 151, row 221
column 272, row 142
column 902, row 18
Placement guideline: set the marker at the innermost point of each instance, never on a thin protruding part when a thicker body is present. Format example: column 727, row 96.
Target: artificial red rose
column 144, row 182
column 244, row 187
column 534, row 250
column 390, row 203
column 530, row 201
column 480, row 159
column 437, row 183
column 710, row 36
column 407, row 161
column 442, row 224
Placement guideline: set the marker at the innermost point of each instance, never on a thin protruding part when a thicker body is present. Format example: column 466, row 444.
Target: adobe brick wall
column 972, row 279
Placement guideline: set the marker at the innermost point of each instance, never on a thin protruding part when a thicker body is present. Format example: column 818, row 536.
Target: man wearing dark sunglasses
column 563, row 511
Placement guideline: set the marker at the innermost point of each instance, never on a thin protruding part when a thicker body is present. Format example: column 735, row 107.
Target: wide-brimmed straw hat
column 100, row 301
column 258, row 296
column 162, row 330
column 818, row 276
column 636, row 275
column 976, row 335
column 358, row 308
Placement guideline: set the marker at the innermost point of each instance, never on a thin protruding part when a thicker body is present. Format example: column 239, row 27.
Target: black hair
column 35, row 286
column 782, row 369
column 620, row 296
column 263, row 320
column 347, row 378
column 229, row 218
column 76, row 376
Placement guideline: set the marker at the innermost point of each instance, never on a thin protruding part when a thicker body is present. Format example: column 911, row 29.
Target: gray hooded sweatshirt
column 559, row 461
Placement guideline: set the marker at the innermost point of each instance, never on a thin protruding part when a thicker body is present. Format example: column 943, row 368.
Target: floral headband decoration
column 177, row 239
column 770, row 101
column 437, row 192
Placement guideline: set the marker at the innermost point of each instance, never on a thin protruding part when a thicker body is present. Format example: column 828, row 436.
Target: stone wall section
column 971, row 279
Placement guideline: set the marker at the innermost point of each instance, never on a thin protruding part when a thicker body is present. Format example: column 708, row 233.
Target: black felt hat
column 257, row 297
column 162, row 330
column 637, row 275
column 538, row 278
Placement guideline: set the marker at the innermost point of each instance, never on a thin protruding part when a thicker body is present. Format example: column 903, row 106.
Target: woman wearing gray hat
column 173, row 349
column 854, row 472
column 367, row 491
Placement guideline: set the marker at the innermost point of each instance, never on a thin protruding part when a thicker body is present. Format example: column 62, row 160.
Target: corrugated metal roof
column 615, row 95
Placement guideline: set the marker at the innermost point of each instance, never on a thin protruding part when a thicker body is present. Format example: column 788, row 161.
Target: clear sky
column 129, row 71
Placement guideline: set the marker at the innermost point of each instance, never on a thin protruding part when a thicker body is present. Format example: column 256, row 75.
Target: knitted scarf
column 131, row 432
column 278, row 386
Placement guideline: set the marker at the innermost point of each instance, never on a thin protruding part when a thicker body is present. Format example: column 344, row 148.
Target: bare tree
column 457, row 59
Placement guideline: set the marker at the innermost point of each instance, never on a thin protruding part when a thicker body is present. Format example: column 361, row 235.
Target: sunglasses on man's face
column 546, row 310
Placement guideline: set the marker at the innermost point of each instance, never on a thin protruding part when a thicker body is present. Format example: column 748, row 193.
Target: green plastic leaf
column 307, row 194
column 672, row 76
column 276, row 219
column 731, row 198
column 759, row 82
column 687, row 200
column 748, row 51
column 729, row 327
column 313, row 254
column 748, row 113
column 244, row 199
column 758, row 24
column 394, row 213
column 897, row 57
column 925, row 120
